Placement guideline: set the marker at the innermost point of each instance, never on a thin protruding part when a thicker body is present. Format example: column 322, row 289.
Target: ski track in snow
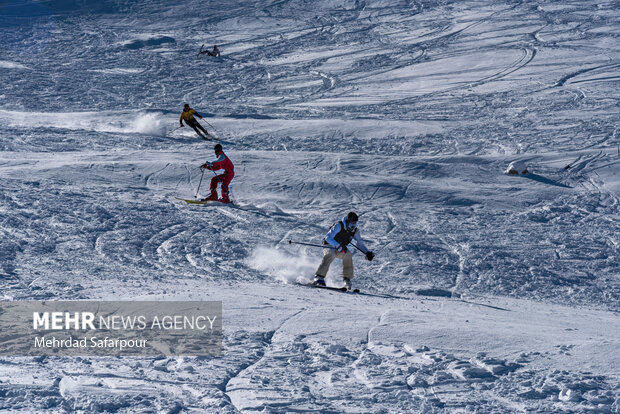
column 489, row 292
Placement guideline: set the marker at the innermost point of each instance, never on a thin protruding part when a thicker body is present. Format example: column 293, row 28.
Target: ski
column 208, row 137
column 340, row 289
column 203, row 202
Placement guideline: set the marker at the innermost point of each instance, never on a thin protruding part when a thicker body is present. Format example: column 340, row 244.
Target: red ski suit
column 222, row 163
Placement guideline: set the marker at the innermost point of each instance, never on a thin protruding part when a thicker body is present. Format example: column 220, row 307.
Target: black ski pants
column 194, row 124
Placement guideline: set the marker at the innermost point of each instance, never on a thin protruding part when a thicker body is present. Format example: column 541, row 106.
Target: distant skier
column 188, row 116
column 222, row 163
column 339, row 237
column 214, row 52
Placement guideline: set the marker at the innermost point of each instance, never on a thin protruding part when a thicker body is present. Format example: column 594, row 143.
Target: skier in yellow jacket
column 188, row 116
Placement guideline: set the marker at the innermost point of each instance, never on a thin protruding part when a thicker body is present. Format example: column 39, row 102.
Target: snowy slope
column 489, row 292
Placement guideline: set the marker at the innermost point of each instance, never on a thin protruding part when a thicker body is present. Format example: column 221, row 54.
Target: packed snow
column 490, row 292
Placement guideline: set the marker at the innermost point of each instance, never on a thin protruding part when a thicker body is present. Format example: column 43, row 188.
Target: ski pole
column 209, row 124
column 218, row 178
column 200, row 183
column 326, row 246
column 172, row 130
column 354, row 245
column 206, row 132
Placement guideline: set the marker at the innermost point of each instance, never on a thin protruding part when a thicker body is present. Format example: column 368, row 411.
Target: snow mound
column 148, row 41
column 5, row 64
column 517, row 168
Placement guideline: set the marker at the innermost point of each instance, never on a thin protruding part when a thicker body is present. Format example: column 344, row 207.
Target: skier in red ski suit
column 222, row 163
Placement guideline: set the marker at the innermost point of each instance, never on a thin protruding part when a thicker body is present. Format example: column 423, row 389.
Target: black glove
column 370, row 255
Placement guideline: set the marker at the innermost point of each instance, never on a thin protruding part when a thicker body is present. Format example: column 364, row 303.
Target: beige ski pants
column 328, row 257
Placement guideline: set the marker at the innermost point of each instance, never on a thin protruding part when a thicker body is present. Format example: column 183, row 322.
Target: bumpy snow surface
column 489, row 292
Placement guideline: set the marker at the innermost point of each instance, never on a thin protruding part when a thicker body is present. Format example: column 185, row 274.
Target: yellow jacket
column 188, row 116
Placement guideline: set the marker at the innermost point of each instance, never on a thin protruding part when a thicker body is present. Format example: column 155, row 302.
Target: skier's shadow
column 544, row 180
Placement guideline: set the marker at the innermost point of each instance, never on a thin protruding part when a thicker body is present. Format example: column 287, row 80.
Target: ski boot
column 224, row 198
column 347, row 283
column 319, row 280
column 212, row 197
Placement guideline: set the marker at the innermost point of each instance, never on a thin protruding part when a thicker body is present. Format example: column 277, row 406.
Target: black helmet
column 351, row 222
column 185, row 106
column 217, row 148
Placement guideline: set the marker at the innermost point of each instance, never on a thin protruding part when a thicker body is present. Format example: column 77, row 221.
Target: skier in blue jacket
column 337, row 243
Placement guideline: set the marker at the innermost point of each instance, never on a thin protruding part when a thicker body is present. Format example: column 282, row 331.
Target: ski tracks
column 238, row 387
column 297, row 369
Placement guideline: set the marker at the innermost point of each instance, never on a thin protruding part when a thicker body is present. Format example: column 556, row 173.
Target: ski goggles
column 351, row 225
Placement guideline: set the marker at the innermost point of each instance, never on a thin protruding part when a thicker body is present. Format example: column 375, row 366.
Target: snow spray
column 283, row 266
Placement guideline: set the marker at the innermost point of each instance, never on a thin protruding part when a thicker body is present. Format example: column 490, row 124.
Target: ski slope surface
column 489, row 292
